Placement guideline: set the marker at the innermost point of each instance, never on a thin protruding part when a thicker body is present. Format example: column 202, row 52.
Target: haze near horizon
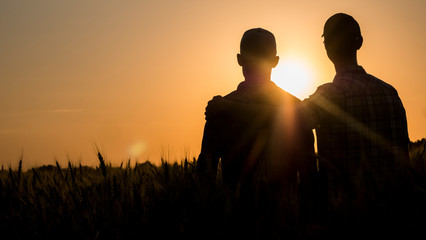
column 134, row 77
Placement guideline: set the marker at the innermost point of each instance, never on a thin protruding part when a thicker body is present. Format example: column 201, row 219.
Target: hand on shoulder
column 214, row 107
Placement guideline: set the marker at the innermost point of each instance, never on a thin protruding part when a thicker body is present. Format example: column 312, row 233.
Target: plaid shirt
column 360, row 123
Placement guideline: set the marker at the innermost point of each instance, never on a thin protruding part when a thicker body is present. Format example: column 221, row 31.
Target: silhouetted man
column 254, row 153
column 360, row 123
column 359, row 118
column 361, row 127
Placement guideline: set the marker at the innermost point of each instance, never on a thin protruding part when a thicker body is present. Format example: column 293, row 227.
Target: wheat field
column 144, row 201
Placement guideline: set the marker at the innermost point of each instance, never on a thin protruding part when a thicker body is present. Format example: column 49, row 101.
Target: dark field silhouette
column 146, row 202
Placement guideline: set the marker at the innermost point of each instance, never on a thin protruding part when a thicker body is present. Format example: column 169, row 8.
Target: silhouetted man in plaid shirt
column 360, row 123
column 359, row 119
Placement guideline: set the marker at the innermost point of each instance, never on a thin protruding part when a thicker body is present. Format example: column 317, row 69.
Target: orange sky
column 134, row 77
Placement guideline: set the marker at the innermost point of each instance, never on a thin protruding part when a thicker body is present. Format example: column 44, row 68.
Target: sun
column 294, row 76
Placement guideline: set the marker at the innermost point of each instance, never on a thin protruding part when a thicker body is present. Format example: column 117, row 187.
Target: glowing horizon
column 135, row 76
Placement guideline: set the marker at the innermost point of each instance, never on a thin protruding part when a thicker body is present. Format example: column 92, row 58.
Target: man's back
column 260, row 148
column 362, row 122
column 257, row 152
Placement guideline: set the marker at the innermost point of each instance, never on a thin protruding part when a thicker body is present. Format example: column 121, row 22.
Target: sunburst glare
column 294, row 76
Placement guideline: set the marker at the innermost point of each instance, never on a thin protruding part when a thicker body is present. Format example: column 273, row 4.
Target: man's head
column 258, row 52
column 342, row 37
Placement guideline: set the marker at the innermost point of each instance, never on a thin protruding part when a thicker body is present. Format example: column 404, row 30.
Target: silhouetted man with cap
column 360, row 123
column 359, row 119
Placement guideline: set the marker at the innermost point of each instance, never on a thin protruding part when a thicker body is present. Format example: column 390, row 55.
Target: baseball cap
column 341, row 24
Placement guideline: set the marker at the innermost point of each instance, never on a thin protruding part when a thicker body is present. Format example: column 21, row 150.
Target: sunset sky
column 134, row 77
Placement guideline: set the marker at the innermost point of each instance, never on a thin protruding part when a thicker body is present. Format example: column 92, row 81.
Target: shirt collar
column 244, row 85
column 346, row 70
column 353, row 68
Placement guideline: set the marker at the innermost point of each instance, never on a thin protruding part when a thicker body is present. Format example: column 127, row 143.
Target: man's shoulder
column 268, row 93
column 327, row 87
column 232, row 94
column 327, row 90
column 236, row 94
column 377, row 83
column 281, row 96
